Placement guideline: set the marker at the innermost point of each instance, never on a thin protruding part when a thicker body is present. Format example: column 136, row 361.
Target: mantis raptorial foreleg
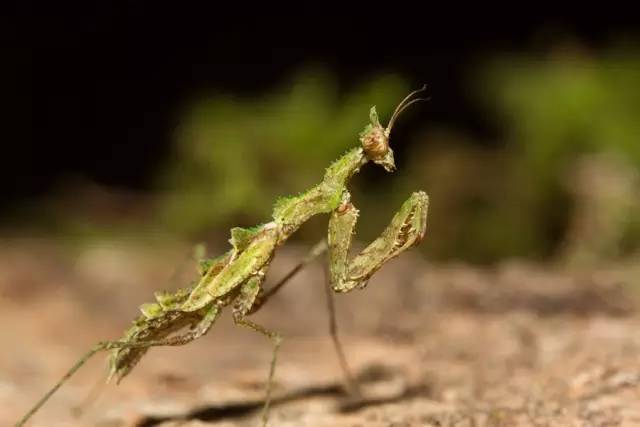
column 406, row 229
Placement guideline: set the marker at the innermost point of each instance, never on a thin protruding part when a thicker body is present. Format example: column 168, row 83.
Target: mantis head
column 375, row 137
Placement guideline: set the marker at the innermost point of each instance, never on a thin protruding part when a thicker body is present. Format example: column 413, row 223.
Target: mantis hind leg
column 200, row 330
column 242, row 306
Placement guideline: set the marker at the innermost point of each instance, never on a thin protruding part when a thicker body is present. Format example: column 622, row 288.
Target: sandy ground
column 431, row 345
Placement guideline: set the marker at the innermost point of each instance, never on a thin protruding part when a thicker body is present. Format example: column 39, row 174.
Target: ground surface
column 432, row 345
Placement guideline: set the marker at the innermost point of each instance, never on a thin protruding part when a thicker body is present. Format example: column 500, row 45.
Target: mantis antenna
column 404, row 104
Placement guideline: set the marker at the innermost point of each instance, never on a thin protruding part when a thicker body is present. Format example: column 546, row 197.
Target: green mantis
column 235, row 278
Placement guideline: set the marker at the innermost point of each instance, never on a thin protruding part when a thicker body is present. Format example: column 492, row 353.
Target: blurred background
column 134, row 132
column 179, row 122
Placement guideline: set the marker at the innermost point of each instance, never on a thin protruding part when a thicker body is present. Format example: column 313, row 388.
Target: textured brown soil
column 432, row 345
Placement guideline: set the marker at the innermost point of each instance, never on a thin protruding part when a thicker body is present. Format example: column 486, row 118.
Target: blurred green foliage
column 557, row 111
column 567, row 105
column 520, row 198
column 233, row 157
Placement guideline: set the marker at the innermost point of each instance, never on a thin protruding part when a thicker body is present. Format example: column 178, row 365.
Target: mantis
column 235, row 278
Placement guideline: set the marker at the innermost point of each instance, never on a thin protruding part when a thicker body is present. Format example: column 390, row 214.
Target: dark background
column 94, row 91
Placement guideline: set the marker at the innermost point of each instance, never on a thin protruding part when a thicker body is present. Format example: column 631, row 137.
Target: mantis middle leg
column 317, row 250
column 242, row 306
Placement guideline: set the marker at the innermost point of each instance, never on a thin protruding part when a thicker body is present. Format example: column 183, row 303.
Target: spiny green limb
column 406, row 229
column 342, row 223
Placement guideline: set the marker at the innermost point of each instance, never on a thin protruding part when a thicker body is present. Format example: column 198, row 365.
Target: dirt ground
column 431, row 345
